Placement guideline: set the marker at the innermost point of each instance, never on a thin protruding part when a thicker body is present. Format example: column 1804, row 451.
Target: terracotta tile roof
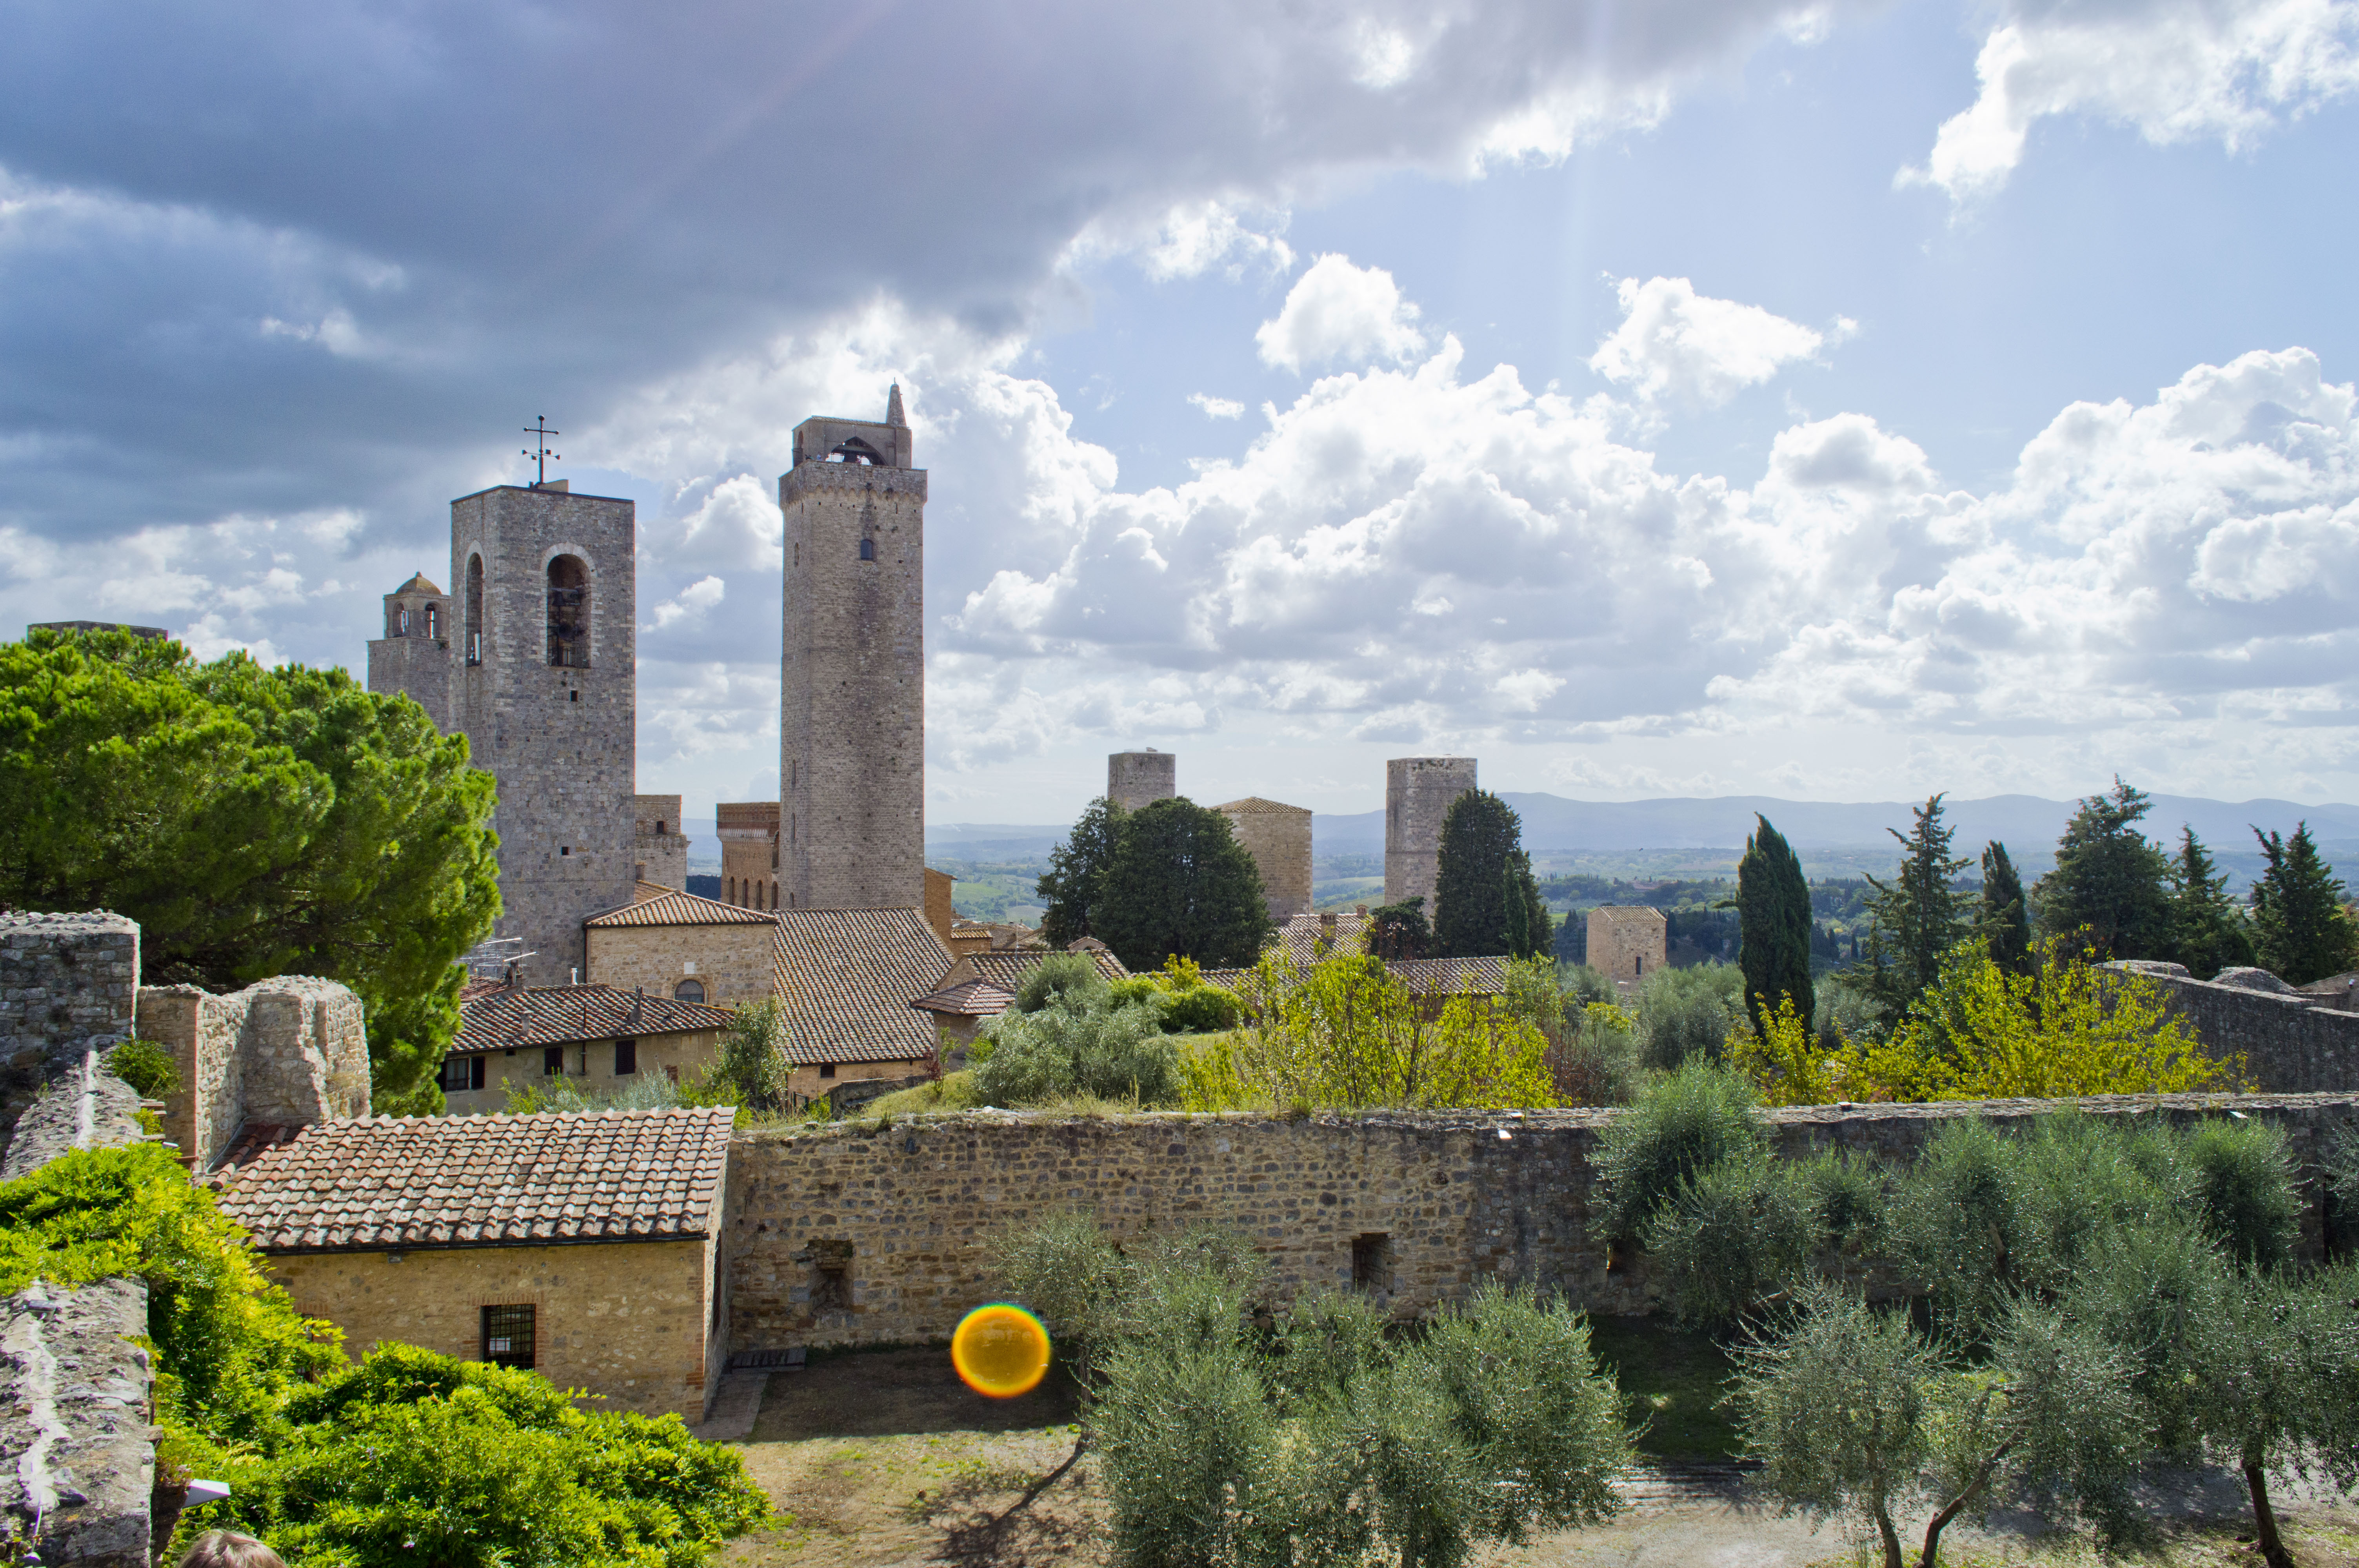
column 968, row 998
column 505, row 1020
column 421, row 583
column 671, row 908
column 1303, row 933
column 474, row 986
column 643, row 890
column 847, row 978
column 1255, row 805
column 484, row 1180
column 1006, row 970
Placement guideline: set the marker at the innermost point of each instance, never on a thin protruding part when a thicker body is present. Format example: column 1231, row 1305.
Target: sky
column 1693, row 397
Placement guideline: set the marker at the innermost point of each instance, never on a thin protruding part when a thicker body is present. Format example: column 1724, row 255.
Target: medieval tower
column 1141, row 778
column 1417, row 793
column 543, row 685
column 413, row 657
column 852, row 712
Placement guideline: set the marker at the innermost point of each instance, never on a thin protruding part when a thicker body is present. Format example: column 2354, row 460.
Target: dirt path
column 886, row 1461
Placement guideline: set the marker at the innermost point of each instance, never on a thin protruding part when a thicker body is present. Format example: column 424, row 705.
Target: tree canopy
column 256, row 822
column 1485, row 900
column 2109, row 878
column 1915, row 919
column 1070, row 888
column 1179, row 883
column 1773, row 906
column 2208, row 932
column 2304, row 933
column 2004, row 919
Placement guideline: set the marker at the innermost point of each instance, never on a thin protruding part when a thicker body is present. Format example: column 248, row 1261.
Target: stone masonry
column 545, row 694
column 1417, row 793
column 659, row 853
column 876, row 1233
column 2290, row 1042
column 851, row 719
column 1141, row 778
column 413, row 657
column 286, row 1051
column 749, row 852
column 1626, row 941
column 69, row 984
column 1278, row 838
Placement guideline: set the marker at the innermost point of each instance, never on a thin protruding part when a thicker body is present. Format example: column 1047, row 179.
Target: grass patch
column 951, row 1091
column 1671, row 1383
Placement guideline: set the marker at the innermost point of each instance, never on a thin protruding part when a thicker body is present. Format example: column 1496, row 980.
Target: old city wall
column 2291, row 1044
column 627, row 1318
column 69, row 984
column 288, row 1051
column 867, row 1234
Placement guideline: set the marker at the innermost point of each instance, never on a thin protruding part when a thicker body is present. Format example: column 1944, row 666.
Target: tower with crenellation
column 851, row 716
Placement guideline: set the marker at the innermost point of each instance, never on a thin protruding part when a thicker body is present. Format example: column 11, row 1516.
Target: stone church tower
column 538, row 661
column 851, row 718
column 414, row 656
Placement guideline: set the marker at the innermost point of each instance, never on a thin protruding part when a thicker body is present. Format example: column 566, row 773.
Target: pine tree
column 1916, row 917
column 2304, row 933
column 2209, row 933
column 1482, row 839
column 2109, row 878
column 1773, row 907
column 2004, row 922
column 1069, row 887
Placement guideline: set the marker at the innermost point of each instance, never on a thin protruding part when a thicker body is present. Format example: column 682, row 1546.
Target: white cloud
column 1335, row 310
column 1676, row 345
column 2176, row 71
column 694, row 599
column 1217, row 408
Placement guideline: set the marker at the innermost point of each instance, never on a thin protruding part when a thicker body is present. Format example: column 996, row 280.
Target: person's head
column 227, row 1549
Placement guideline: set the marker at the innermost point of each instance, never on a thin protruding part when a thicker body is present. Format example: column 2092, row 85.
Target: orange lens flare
column 1000, row 1350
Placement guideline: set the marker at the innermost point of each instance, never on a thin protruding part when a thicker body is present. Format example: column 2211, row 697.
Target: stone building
column 414, row 654
column 1278, row 838
column 1417, row 793
column 846, row 977
column 659, row 849
column 1140, row 778
column 749, row 852
column 675, row 943
column 604, row 1037
column 1626, row 941
column 585, row 1246
column 538, row 670
column 851, row 718
column 941, row 911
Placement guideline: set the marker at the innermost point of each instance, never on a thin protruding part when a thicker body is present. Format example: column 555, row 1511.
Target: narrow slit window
column 568, row 613
column 867, row 549
column 474, row 610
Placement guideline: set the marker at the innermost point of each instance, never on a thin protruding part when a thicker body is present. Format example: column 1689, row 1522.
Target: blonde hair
column 227, row 1549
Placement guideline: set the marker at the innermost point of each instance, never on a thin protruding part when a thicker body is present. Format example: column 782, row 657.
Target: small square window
column 508, row 1337
column 626, row 1058
column 552, row 1062
column 577, row 696
column 827, row 1069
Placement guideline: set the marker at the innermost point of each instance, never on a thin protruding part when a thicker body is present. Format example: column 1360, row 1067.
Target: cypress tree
column 2109, row 878
column 2209, row 933
column 1915, row 918
column 1541, row 930
column 2297, row 914
column 1482, row 839
column 1773, row 910
column 1069, row 887
column 2005, row 923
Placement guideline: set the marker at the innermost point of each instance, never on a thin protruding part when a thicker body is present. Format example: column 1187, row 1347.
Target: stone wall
column 1141, row 778
column 1417, row 793
column 68, row 983
column 866, row 1234
column 289, row 1052
column 659, row 853
column 731, row 962
column 625, row 1320
column 2290, row 1043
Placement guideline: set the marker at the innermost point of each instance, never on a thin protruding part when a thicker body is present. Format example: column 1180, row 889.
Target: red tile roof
column 505, row 1020
column 968, row 998
column 667, row 907
column 846, row 977
column 400, row 1182
column 1006, row 970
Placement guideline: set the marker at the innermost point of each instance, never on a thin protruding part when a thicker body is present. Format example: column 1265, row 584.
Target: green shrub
column 1694, row 1116
column 1686, row 1014
column 1070, row 978
column 1736, row 1232
column 1593, row 1057
column 2245, row 1182
column 1064, row 1050
column 1201, row 1009
column 146, row 1066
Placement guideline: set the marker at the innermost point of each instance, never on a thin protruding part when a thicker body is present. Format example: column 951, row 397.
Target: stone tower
column 544, row 688
column 1139, row 778
column 852, row 711
column 749, row 851
column 414, row 656
column 659, row 851
column 1278, row 838
column 1417, row 793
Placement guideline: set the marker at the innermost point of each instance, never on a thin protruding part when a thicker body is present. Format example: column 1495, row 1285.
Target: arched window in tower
column 867, row 549
column 689, row 991
column 404, row 632
column 434, row 621
column 474, row 610
column 568, row 613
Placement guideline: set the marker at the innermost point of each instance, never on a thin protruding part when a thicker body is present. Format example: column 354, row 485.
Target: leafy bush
column 1687, row 1012
column 1736, row 1232
column 146, row 1066
column 1072, row 979
column 1076, row 1044
column 2244, row 1180
column 565, row 1091
column 1592, row 1058
column 1688, row 1120
column 751, row 1066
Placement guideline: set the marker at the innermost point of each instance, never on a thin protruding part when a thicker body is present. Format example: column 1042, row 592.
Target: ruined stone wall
column 68, row 983
column 862, row 1234
column 624, row 1320
column 1417, row 793
column 1278, row 838
column 852, row 721
column 2290, row 1043
column 1141, row 778
column 288, row 1051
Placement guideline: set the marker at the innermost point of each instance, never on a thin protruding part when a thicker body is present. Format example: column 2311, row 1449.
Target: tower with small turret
column 413, row 657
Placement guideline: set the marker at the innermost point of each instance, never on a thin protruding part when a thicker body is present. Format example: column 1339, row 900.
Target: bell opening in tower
column 568, row 613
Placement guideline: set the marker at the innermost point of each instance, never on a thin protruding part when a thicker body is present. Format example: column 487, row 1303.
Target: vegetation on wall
column 254, row 822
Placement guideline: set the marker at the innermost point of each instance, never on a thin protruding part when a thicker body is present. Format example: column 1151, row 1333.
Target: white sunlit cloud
column 1216, row 407
column 1337, row 310
column 2175, row 71
column 1676, row 345
column 692, row 601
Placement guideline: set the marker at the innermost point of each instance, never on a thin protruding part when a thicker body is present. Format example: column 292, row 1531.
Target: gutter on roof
column 479, row 1245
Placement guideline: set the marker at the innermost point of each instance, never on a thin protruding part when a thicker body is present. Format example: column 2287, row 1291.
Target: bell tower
column 851, row 719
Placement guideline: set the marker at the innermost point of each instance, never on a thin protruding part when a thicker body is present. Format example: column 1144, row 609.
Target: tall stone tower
column 1417, row 793
column 544, row 688
column 852, row 713
column 414, row 656
column 1278, row 836
column 1139, row 778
